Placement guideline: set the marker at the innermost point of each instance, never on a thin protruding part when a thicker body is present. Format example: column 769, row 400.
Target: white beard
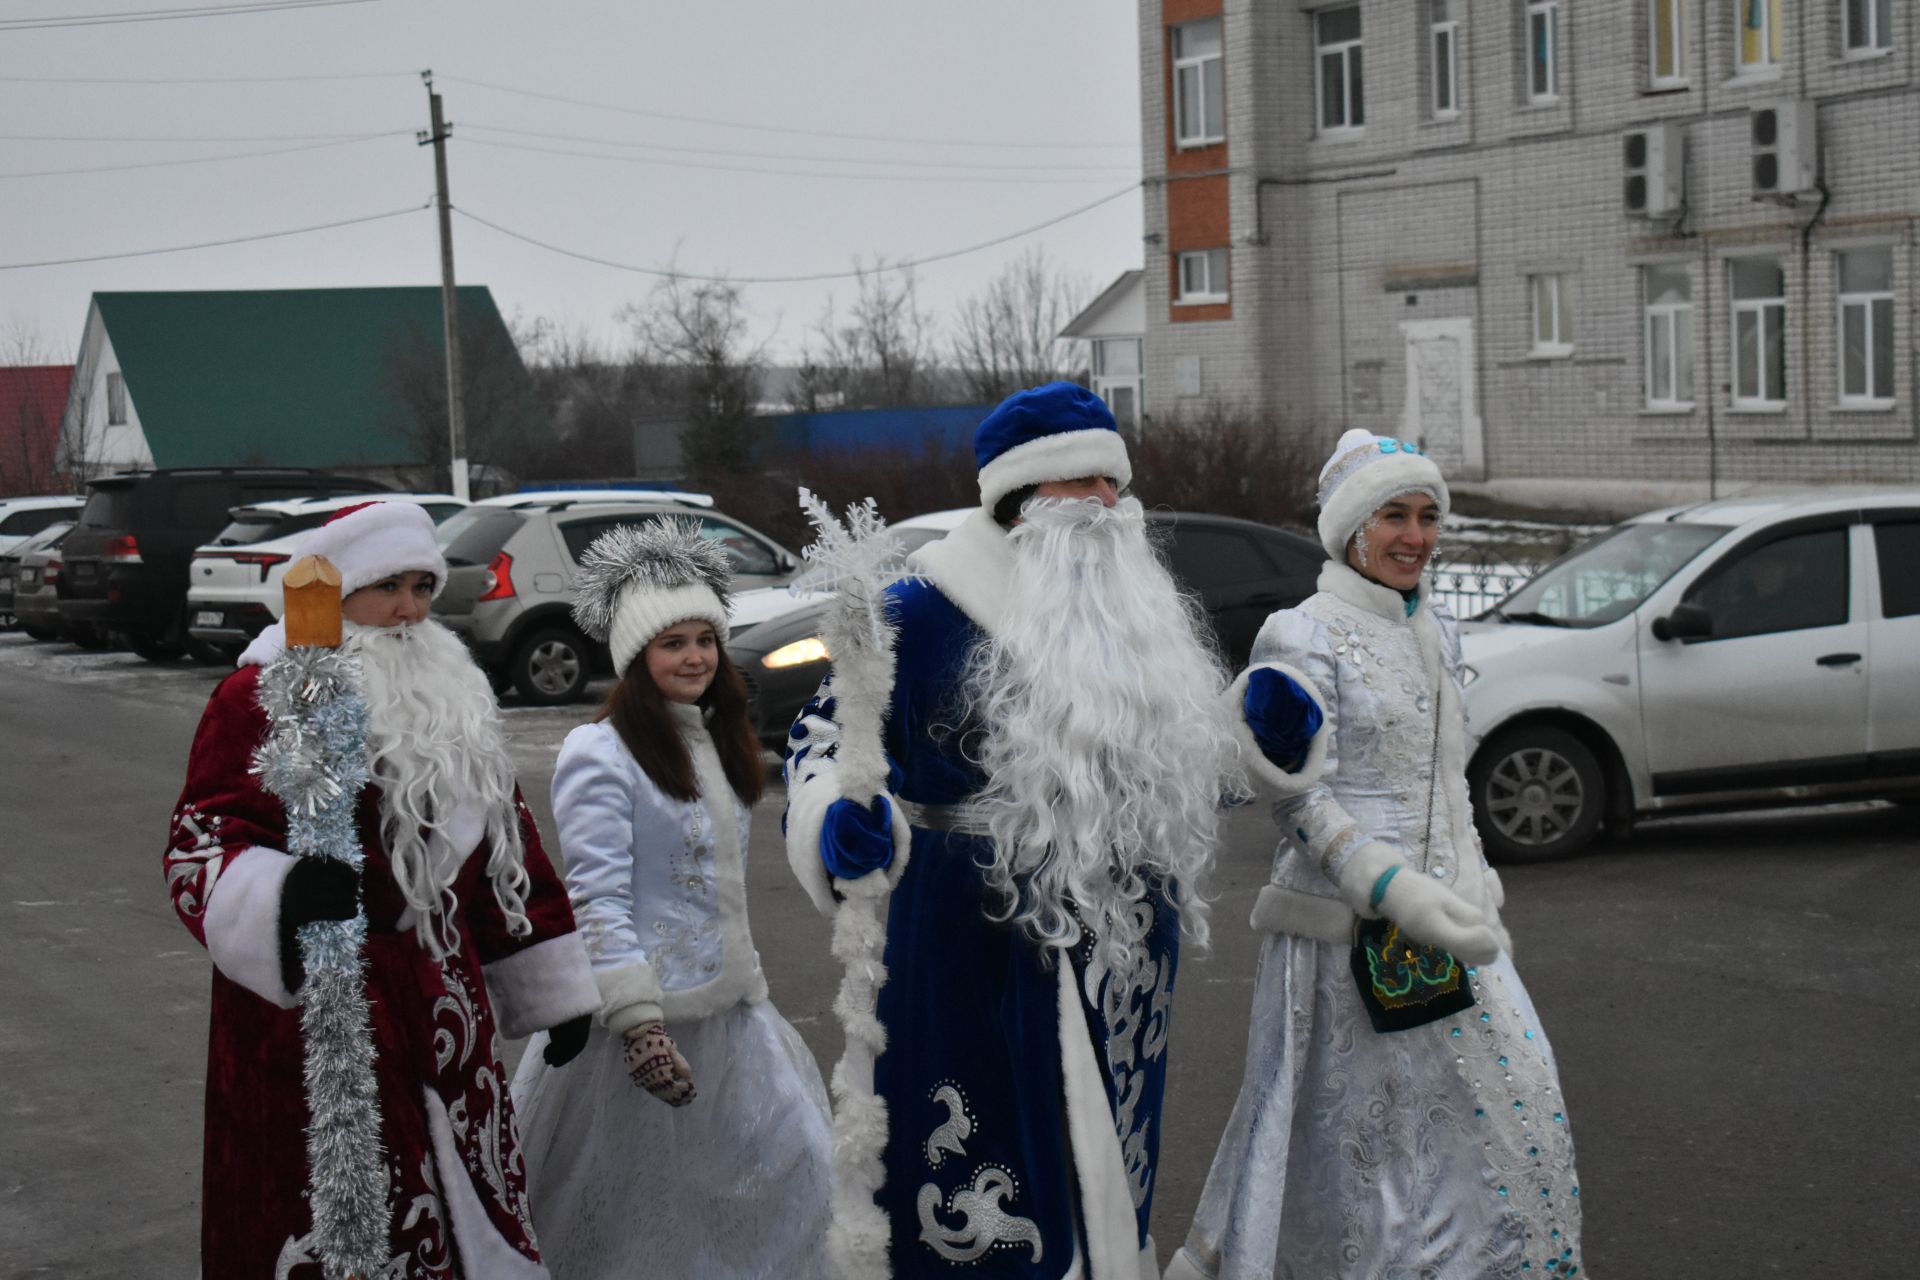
column 446, row 779
column 1106, row 743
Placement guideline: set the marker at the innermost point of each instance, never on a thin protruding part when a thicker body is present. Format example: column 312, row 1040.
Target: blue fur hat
column 1058, row 431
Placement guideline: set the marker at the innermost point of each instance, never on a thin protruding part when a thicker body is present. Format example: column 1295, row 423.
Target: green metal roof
column 290, row 377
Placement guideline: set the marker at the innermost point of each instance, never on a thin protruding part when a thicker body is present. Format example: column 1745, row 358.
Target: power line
column 784, row 173
column 782, row 129
column 806, row 279
column 350, row 75
column 214, row 244
column 254, row 137
column 52, row 21
column 234, row 155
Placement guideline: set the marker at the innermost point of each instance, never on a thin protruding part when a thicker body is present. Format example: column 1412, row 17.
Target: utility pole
column 449, row 301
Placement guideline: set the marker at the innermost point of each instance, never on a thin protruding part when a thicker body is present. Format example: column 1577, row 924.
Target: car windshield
column 911, row 540
column 1606, row 579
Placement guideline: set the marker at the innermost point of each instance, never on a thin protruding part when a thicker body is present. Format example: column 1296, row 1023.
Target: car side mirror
column 1686, row 622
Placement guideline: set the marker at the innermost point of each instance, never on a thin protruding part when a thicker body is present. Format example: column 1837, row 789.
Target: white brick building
column 1411, row 215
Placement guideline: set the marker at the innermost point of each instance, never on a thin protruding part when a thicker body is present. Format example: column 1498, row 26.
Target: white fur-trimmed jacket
column 1395, row 730
column 657, row 884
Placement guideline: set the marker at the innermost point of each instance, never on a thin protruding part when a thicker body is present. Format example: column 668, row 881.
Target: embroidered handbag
column 1403, row 983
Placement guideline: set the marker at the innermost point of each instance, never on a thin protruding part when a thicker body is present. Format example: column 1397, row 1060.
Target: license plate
column 83, row 572
column 208, row 618
column 29, row 577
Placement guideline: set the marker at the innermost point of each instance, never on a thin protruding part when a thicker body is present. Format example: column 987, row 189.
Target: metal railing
column 1471, row 587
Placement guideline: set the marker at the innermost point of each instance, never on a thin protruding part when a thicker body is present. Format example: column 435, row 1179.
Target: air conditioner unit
column 1655, row 170
column 1785, row 149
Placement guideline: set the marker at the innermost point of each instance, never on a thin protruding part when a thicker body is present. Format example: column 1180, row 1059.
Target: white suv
column 1735, row 654
column 233, row 584
column 21, row 518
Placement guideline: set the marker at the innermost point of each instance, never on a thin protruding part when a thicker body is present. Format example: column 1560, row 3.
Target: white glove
column 1426, row 911
column 655, row 1064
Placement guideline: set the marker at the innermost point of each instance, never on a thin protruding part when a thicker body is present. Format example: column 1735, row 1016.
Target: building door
column 1442, row 410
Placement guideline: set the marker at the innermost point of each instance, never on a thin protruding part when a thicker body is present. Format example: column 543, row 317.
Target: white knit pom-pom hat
column 376, row 540
column 636, row 580
column 1365, row 473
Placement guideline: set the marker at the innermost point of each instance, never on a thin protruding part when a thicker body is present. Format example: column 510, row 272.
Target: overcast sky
column 1014, row 112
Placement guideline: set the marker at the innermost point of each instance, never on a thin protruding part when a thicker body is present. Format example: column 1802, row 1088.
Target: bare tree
column 691, row 339
column 503, row 415
column 1006, row 336
column 882, row 354
column 592, row 397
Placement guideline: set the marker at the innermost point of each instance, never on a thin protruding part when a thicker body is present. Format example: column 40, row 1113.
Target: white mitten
column 655, row 1064
column 1427, row 911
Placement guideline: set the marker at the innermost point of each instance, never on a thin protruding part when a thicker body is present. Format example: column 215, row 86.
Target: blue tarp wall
column 947, row 427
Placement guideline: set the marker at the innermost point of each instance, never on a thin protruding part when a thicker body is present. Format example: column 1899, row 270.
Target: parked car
column 125, row 562
column 233, row 591
column 510, row 572
column 21, row 518
column 1242, row 571
column 10, row 568
column 1734, row 654
column 752, row 607
column 549, row 497
column 36, row 598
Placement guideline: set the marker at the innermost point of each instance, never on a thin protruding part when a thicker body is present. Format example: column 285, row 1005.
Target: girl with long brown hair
column 653, row 801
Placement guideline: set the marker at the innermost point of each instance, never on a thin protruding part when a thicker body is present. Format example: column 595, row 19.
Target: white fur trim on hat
column 644, row 612
column 375, row 542
column 1362, row 476
column 1066, row 455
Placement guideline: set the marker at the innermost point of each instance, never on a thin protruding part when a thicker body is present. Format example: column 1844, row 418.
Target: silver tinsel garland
column 315, row 761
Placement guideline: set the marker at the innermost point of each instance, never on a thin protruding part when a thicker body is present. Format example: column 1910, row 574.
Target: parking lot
column 1733, row 1001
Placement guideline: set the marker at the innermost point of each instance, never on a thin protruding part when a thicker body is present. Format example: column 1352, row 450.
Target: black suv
column 125, row 562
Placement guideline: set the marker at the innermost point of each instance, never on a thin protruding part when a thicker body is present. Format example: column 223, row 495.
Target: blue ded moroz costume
column 1022, row 1083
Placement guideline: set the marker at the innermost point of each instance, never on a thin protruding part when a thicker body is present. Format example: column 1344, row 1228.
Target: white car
column 21, row 518
column 1734, row 654
column 764, row 604
column 580, row 497
column 233, row 583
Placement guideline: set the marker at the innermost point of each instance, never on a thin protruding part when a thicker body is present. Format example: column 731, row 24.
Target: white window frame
column 1547, row 12
column 1342, row 49
column 1552, row 291
column 1770, row 11
column 1877, row 39
column 1443, row 50
column 1662, row 320
column 1760, row 307
column 1198, row 66
column 1676, row 37
column 1215, row 291
column 1864, row 300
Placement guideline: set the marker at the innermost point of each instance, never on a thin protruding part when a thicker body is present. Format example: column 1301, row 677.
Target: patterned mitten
column 655, row 1064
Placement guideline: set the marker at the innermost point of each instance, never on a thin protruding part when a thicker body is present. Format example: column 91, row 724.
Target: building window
column 1667, row 43
column 1759, row 289
column 1337, row 37
column 1760, row 33
column 1199, row 92
column 1552, row 315
column 1865, row 328
column 1669, row 305
column 1869, row 26
column 1444, row 49
column 1116, row 378
column 116, row 400
column 1203, row 276
column 1543, row 50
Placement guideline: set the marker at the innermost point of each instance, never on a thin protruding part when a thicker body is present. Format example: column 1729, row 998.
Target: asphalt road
column 1733, row 1002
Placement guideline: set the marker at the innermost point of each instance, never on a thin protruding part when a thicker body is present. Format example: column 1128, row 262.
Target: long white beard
column 445, row 775
column 1106, row 742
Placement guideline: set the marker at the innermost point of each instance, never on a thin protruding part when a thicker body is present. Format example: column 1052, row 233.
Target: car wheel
column 41, row 633
column 1538, row 793
column 551, row 666
column 8, row 621
column 87, row 636
column 210, row 654
column 162, row 646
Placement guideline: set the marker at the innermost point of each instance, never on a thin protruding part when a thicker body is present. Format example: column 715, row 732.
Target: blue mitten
column 856, row 838
column 1282, row 716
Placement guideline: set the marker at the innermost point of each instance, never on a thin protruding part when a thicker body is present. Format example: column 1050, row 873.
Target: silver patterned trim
column 963, row 819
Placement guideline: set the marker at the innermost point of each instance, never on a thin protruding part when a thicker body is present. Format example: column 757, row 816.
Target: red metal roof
column 32, row 400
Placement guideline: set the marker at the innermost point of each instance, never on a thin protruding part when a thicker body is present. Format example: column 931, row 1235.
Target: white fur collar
column 971, row 566
column 1362, row 592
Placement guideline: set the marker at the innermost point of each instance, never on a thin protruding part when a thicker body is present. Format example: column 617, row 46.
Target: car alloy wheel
column 551, row 667
column 1538, row 793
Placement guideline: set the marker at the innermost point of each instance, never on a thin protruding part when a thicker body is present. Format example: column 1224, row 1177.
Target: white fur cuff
column 1287, row 783
column 1065, row 455
column 1362, row 870
column 807, row 805
column 243, row 922
column 630, row 996
column 883, row 881
column 1304, row 915
column 542, row 986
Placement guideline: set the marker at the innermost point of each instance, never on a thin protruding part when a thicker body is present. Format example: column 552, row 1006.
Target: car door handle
column 1838, row 659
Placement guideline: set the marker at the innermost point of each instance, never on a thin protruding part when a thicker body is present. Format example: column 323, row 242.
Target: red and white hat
column 375, row 540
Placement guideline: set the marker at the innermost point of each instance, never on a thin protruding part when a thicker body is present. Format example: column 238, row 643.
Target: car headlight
column 1467, row 675
column 812, row 649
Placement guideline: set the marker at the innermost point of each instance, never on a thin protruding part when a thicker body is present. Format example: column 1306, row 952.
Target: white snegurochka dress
column 1441, row 1152
column 735, row 1183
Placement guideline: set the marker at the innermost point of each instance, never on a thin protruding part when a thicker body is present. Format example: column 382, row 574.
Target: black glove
column 315, row 889
column 565, row 1041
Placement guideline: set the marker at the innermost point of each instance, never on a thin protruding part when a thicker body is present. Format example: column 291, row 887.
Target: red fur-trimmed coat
column 457, row 1195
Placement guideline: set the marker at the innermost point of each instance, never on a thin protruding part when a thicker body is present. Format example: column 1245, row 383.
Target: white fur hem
column 1065, row 455
column 484, row 1252
column 630, row 997
column 1305, row 915
column 542, row 986
column 243, row 922
column 1183, row 1267
column 1106, row 1206
column 1286, row 782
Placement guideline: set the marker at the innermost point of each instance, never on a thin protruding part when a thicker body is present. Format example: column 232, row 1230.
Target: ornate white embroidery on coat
column 464, row 1033
column 196, row 857
column 984, row 1219
column 1136, row 1010
column 950, row 1134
